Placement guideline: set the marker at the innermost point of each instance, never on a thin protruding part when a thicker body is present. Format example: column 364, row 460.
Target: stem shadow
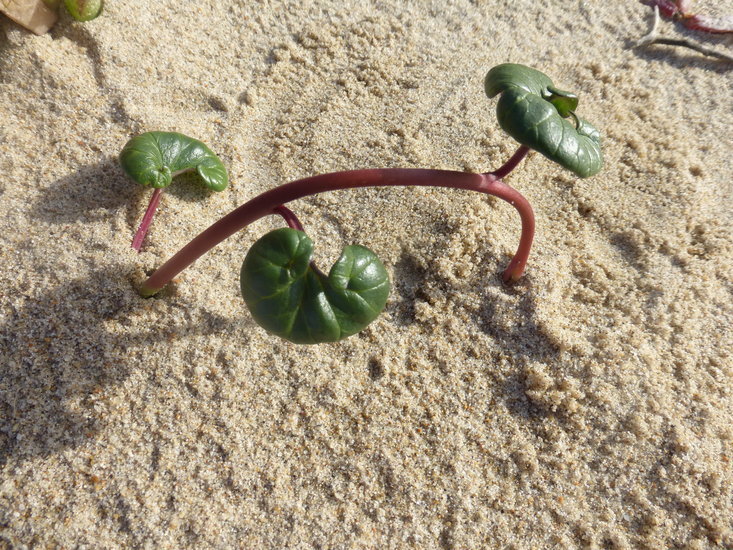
column 682, row 58
column 523, row 338
column 518, row 335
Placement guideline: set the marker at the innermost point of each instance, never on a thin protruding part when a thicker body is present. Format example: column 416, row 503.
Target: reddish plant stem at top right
column 679, row 10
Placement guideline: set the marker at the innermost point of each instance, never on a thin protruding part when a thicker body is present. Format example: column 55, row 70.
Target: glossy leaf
column 153, row 158
column 534, row 112
column 288, row 297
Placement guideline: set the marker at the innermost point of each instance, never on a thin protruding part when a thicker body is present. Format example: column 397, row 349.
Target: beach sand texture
column 588, row 406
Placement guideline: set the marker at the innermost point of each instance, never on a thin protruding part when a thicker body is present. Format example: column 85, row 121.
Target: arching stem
column 271, row 202
column 137, row 240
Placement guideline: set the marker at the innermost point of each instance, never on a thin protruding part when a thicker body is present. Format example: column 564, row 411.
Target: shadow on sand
column 62, row 349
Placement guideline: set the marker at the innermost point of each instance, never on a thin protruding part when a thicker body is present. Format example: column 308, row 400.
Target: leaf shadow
column 93, row 192
column 89, row 194
column 188, row 187
column 58, row 356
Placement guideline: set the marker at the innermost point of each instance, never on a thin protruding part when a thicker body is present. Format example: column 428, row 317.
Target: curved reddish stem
column 681, row 10
column 142, row 230
column 269, row 201
column 512, row 163
column 289, row 216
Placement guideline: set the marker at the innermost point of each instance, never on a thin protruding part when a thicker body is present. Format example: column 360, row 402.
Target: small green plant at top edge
column 290, row 297
column 39, row 16
column 84, row 10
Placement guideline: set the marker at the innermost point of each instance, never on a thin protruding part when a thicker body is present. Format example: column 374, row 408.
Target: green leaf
column 564, row 102
column 534, row 112
column 153, row 158
column 290, row 298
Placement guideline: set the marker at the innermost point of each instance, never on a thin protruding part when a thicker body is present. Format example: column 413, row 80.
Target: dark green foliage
column 153, row 158
column 534, row 112
column 288, row 297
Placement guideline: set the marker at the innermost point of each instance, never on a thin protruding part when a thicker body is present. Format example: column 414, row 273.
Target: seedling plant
column 153, row 159
column 285, row 291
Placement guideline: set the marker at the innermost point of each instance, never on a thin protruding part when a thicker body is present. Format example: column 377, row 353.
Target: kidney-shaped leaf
column 533, row 112
column 288, row 297
column 153, row 158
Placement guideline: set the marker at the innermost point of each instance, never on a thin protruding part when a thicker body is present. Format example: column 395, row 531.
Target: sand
column 588, row 406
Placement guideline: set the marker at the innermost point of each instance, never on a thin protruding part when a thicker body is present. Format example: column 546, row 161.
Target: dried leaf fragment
column 34, row 15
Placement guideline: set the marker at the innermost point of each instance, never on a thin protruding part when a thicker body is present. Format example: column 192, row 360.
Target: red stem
column 268, row 201
column 137, row 241
column 708, row 24
column 668, row 8
column 289, row 216
column 512, row 163
column 680, row 10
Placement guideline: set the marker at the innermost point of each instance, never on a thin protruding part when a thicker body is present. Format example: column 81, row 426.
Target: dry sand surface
column 590, row 405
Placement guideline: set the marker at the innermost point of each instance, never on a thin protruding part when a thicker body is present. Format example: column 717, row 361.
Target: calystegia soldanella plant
column 291, row 297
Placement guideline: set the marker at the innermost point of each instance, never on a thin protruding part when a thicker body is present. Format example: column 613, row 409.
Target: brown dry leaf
column 34, row 15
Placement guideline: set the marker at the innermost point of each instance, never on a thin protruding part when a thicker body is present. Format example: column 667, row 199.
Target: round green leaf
column 534, row 112
column 290, row 298
column 153, row 158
